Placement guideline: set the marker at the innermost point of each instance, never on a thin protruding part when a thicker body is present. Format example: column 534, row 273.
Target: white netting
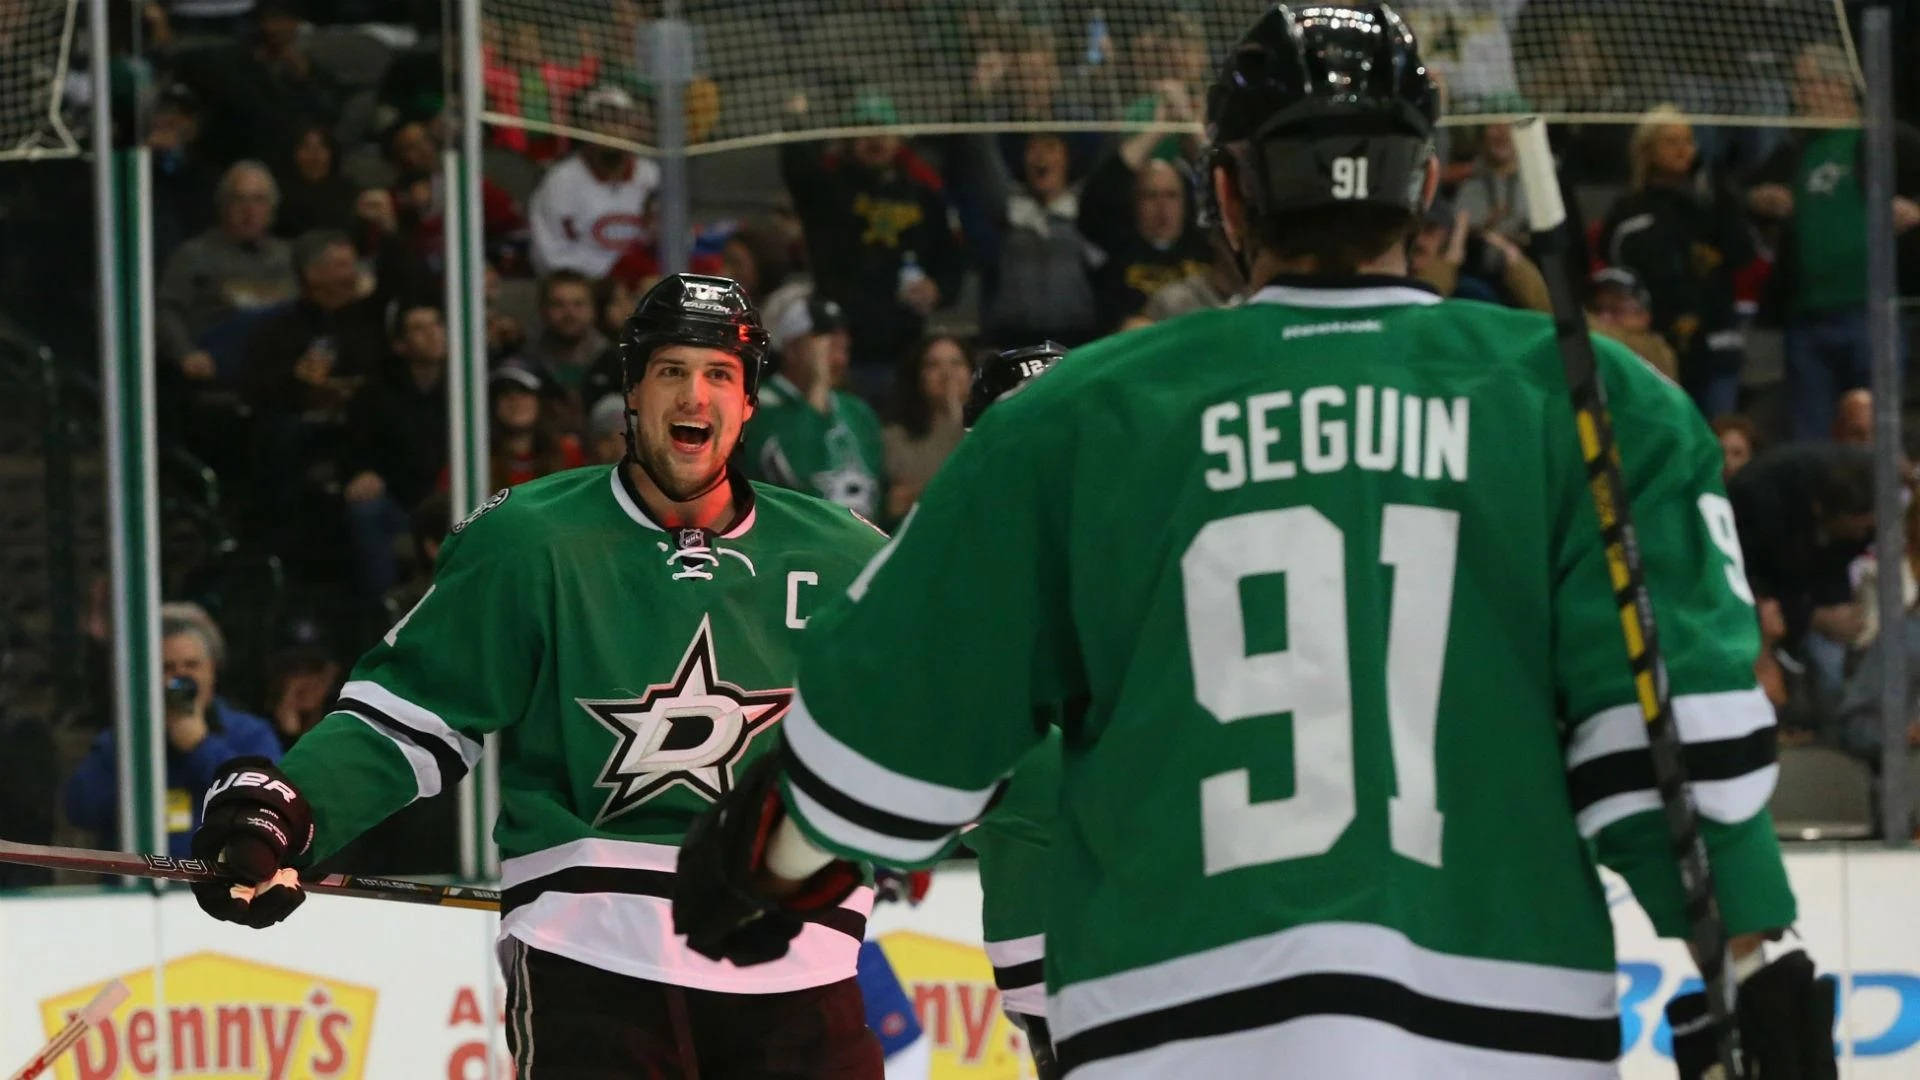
column 928, row 66
column 34, row 39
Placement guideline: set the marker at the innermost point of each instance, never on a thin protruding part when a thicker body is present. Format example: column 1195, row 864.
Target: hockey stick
column 1706, row 930
column 172, row 869
column 90, row 1014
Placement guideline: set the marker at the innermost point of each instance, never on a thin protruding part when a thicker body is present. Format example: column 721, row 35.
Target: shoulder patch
column 493, row 500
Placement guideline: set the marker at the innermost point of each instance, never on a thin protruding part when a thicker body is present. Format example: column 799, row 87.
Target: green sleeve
column 1708, row 638
column 917, row 692
column 1014, row 843
column 409, row 722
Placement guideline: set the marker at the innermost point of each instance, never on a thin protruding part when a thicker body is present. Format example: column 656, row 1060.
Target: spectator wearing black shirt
column 1043, row 287
column 313, row 194
column 397, row 444
column 183, row 180
column 1683, row 235
column 252, row 90
column 1804, row 512
column 875, row 219
column 567, row 341
column 324, row 345
column 1157, row 251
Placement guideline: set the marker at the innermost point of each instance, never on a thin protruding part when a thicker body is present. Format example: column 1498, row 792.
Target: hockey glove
column 716, row 901
column 255, row 826
column 908, row 885
column 1786, row 1025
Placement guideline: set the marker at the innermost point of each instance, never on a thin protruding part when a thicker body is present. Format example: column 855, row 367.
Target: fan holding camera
column 203, row 732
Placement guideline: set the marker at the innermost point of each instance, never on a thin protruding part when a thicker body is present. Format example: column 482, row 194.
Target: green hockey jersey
column 1012, row 843
column 628, row 671
column 838, row 456
column 1360, row 723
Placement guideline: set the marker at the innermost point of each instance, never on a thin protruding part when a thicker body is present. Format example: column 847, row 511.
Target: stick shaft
column 166, row 867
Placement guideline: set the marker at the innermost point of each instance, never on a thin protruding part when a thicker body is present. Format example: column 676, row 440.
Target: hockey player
column 1324, row 566
column 1012, row 840
column 629, row 636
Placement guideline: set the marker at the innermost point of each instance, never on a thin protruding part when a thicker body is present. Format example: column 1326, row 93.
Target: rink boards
column 392, row 992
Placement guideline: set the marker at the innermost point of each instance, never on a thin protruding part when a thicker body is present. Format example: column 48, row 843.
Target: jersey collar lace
column 692, row 553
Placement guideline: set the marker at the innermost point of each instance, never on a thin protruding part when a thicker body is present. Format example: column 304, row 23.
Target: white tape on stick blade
column 1545, row 211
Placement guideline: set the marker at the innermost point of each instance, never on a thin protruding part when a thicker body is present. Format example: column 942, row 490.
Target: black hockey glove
column 255, row 826
column 715, row 901
column 1786, row 1025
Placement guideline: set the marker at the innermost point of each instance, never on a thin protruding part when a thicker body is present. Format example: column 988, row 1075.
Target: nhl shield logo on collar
column 693, row 538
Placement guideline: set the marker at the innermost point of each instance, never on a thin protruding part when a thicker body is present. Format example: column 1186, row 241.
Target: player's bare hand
column 1770, row 200
column 198, row 365
column 1906, row 213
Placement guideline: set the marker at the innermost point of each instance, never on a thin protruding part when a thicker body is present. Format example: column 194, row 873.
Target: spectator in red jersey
column 523, row 80
column 420, row 198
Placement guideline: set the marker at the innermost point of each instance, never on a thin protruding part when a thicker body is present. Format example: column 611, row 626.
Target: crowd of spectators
column 303, row 351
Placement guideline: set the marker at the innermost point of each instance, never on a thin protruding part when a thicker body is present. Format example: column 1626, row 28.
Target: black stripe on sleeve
column 1365, row 996
column 634, row 882
column 1632, row 770
column 452, row 768
column 1017, row 976
column 880, row 821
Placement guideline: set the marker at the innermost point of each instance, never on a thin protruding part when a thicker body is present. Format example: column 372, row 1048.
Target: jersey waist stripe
column 605, row 879
column 1332, row 1047
column 1368, row 997
column 1377, row 953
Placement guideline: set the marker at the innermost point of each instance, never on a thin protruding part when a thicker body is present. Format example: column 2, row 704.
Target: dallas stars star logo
column 689, row 731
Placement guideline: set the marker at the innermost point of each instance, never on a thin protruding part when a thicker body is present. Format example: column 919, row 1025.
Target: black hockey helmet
column 1007, row 371
column 694, row 309
column 1323, row 105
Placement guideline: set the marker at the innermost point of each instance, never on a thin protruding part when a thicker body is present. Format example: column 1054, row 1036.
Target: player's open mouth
column 689, row 438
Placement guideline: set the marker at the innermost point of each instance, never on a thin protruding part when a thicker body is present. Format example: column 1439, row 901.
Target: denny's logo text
column 223, row 1019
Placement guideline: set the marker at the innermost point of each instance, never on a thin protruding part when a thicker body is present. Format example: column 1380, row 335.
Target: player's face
column 691, row 404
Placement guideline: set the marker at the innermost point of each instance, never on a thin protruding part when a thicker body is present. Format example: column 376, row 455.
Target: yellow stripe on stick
column 1617, row 565
column 1630, row 625
column 1589, row 434
column 1649, row 703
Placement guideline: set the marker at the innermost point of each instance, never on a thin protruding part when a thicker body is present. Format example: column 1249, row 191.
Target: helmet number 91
column 1350, row 178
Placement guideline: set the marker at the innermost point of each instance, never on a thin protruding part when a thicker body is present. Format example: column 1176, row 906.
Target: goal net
column 774, row 72
column 35, row 36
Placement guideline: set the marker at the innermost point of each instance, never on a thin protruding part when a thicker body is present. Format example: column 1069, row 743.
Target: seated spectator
column 805, row 434
column 1853, row 418
column 183, row 179
column 313, row 194
column 1491, row 196
column 1804, row 512
column 231, row 270
column 428, row 523
column 203, row 731
column 1683, row 235
column 1466, row 264
column 1160, row 249
column 320, row 349
column 875, row 220
column 1214, row 286
column 1617, row 307
column 1738, row 442
column 524, row 80
column 588, row 208
column 505, row 336
column 1813, row 187
column 1861, row 729
column 526, row 442
column 397, row 437
column 253, row 89
column 607, row 430
column 567, row 341
column 302, row 683
column 1043, row 280
column 929, row 397
column 420, row 200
